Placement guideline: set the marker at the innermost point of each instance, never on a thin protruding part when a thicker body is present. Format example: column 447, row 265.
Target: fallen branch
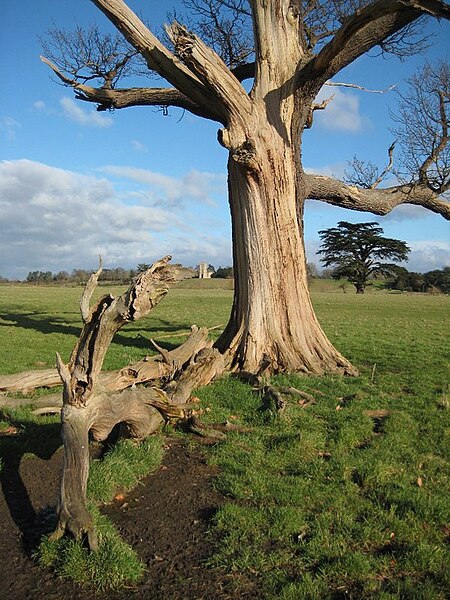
column 53, row 403
column 206, row 365
column 143, row 371
column 206, row 431
column 27, row 381
column 292, row 391
column 181, row 333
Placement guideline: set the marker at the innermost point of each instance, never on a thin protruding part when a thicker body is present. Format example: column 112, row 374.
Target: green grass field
column 324, row 501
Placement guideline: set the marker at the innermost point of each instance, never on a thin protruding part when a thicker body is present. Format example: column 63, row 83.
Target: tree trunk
column 272, row 324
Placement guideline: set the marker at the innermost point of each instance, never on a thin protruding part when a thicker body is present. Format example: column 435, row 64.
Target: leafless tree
column 423, row 120
column 422, row 135
column 290, row 50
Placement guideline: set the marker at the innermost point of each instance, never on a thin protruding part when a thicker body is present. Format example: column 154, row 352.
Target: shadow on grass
column 48, row 325
column 42, row 441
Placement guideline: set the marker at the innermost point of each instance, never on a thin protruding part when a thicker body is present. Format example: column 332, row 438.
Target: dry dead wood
column 41, row 405
column 29, row 380
column 292, row 391
column 149, row 368
column 93, row 404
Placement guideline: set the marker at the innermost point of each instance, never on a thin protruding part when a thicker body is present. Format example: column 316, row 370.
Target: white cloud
column 87, row 118
column 406, row 212
column 54, row 219
column 427, row 256
column 9, row 127
column 211, row 248
column 39, row 105
column 342, row 113
column 171, row 191
column 139, row 146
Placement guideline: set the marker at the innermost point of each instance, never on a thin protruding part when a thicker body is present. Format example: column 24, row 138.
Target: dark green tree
column 223, row 273
column 142, row 267
column 439, row 278
column 406, row 281
column 356, row 251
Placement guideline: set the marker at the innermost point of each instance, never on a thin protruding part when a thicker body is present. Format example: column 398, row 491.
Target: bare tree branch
column 157, row 56
column 388, row 167
column 108, row 99
column 365, row 174
column 320, row 106
column 358, row 87
column 365, row 29
column 87, row 55
column 377, row 201
column 89, row 290
column 362, row 173
column 225, row 26
column 423, row 119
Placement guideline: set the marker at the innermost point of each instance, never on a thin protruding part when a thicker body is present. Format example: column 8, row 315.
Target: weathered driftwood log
column 41, row 405
column 29, row 380
column 147, row 369
column 91, row 404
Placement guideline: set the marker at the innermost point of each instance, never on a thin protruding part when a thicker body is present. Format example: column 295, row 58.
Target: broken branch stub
column 104, row 320
column 88, row 406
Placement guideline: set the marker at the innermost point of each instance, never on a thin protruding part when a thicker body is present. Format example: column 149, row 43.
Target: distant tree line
column 400, row 278
column 117, row 276
column 437, row 280
column 80, row 276
column 403, row 280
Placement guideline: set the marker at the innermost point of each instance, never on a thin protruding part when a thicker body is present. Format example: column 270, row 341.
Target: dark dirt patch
column 165, row 519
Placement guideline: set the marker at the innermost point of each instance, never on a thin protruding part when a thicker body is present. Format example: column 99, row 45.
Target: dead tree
column 290, row 49
column 91, row 409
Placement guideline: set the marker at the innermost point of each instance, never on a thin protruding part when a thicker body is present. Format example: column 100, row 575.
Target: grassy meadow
column 344, row 498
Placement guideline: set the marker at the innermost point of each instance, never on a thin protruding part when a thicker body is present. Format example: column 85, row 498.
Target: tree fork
column 91, row 410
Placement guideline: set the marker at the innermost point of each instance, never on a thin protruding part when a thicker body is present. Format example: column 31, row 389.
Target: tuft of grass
column 115, row 563
column 122, row 467
column 112, row 566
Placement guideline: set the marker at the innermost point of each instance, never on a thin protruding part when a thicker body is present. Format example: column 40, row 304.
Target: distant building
column 203, row 271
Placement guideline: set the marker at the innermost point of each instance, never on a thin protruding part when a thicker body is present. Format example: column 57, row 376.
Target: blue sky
column 134, row 185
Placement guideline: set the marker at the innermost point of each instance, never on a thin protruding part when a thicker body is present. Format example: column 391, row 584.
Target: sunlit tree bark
column 298, row 47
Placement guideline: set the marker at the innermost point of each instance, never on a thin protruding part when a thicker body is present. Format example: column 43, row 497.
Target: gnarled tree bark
column 91, row 408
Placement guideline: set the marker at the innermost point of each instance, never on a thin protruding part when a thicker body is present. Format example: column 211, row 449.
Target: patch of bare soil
column 165, row 519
